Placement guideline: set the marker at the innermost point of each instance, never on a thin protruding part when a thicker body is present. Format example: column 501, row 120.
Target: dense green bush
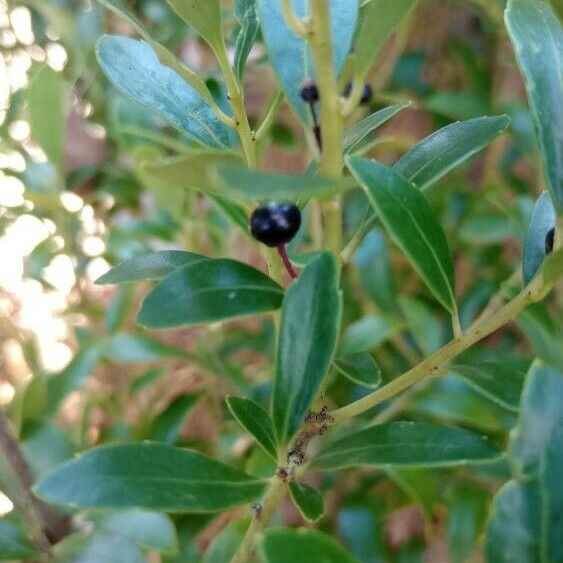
column 363, row 358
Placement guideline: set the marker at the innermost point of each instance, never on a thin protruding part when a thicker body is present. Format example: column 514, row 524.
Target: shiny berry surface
column 275, row 223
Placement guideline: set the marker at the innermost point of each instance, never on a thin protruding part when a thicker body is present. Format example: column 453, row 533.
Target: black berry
column 275, row 223
column 549, row 240
column 310, row 93
column 367, row 93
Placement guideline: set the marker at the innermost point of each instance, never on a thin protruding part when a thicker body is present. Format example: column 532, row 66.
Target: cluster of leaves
column 341, row 331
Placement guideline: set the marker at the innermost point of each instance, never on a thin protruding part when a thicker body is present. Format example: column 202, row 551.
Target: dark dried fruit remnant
column 275, row 223
column 367, row 93
column 310, row 93
column 549, row 238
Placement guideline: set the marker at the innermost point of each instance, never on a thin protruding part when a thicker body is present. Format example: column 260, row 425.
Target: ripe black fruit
column 367, row 93
column 275, row 223
column 310, row 93
column 549, row 238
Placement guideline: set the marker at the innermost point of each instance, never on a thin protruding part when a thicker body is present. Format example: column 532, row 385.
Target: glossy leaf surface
column 447, row 148
column 150, row 476
column 412, row 224
column 209, row 291
column 359, row 368
column 255, row 421
column 308, row 501
column 310, row 324
column 414, row 444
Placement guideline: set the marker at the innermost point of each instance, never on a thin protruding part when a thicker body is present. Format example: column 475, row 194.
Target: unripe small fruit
column 275, row 223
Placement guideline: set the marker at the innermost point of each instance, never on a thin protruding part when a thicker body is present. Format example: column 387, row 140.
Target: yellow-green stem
column 535, row 291
column 331, row 121
column 260, row 519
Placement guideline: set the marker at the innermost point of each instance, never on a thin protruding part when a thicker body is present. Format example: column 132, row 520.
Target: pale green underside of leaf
column 525, row 523
column 289, row 54
column 537, row 36
column 152, row 266
column 542, row 221
column 241, row 183
column 134, row 69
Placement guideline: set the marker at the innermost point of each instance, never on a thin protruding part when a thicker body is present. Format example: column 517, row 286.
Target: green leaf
column 513, row 534
column 224, row 546
column 235, row 212
column 542, row 221
column 423, row 324
column 306, row 343
column 191, row 170
column 353, row 140
column 204, row 17
column 537, row 37
column 152, row 266
column 146, row 379
column 148, row 476
column 119, row 308
column 376, row 275
column 109, row 548
column 415, row 444
column 246, row 14
column 14, row 544
column 209, row 291
column 134, row 69
column 47, row 106
column 368, row 333
column 285, row 545
column 166, row 57
column 289, row 54
column 411, row 222
column 167, row 425
column 525, row 524
column 467, row 511
column 422, row 484
column 135, row 348
column 500, row 382
column 149, row 531
column 255, row 186
column 379, row 20
column 359, row 368
column 308, row 501
column 447, row 148
column 72, row 377
column 255, row 421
